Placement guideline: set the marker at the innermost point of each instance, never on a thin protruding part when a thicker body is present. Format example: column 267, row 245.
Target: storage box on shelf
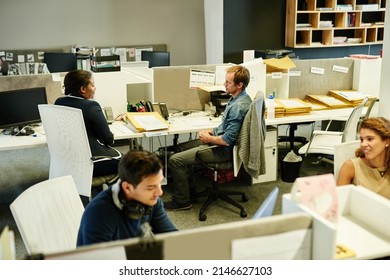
column 329, row 23
column 105, row 63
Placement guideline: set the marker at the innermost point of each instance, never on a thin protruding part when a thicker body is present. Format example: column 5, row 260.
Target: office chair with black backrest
column 69, row 149
column 242, row 154
column 323, row 142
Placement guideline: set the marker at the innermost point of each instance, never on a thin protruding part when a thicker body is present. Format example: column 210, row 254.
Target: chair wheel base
column 202, row 217
column 243, row 214
column 245, row 198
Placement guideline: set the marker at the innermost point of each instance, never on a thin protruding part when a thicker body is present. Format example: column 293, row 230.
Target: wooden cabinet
column 334, row 23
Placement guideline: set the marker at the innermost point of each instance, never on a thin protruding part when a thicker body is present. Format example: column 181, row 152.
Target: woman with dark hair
column 371, row 167
column 80, row 88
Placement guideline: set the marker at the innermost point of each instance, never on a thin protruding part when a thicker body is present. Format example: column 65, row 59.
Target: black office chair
column 221, row 172
column 291, row 138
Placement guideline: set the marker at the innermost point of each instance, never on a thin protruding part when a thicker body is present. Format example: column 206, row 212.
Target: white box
column 367, row 76
column 363, row 224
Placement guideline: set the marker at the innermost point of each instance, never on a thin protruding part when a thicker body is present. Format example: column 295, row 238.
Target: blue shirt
column 103, row 221
column 232, row 118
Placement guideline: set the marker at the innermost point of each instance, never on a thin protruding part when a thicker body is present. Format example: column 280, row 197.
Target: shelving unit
column 334, row 23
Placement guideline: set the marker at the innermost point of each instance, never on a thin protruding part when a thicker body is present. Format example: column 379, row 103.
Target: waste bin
column 290, row 166
column 289, row 171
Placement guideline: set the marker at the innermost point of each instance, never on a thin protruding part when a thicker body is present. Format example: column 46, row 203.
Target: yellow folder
column 147, row 121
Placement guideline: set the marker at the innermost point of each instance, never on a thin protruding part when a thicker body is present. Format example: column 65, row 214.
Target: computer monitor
column 156, row 58
column 60, row 62
column 267, row 208
column 20, row 107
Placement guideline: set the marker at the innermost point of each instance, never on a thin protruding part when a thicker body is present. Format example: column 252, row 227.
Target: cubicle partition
column 276, row 237
column 318, row 76
column 172, row 86
column 24, row 167
column 53, row 87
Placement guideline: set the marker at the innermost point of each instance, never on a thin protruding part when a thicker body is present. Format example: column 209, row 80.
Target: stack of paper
column 353, row 97
column 315, row 106
column 294, row 106
column 329, row 101
column 279, row 109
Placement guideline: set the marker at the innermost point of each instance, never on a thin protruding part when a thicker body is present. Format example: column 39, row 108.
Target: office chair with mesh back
column 230, row 169
column 323, row 142
column 48, row 215
column 68, row 156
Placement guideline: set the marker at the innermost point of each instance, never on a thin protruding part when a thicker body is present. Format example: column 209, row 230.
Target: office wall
column 247, row 24
column 384, row 94
column 27, row 24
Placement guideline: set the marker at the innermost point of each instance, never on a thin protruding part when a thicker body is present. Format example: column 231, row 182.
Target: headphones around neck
column 132, row 209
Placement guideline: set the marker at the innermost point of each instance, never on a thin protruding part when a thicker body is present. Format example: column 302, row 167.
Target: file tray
column 362, row 225
column 147, row 121
column 105, row 63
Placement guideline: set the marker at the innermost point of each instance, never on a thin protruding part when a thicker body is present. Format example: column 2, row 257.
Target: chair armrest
column 322, row 132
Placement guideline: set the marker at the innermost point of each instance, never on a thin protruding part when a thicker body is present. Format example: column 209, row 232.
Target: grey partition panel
column 309, row 83
column 172, row 85
column 53, row 88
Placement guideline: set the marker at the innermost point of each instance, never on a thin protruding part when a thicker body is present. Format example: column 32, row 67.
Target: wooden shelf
column 321, row 23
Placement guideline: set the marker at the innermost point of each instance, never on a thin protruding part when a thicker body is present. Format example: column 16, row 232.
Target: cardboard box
column 279, row 64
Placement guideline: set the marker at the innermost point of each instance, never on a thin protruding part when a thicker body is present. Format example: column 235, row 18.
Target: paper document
column 201, row 77
column 291, row 103
column 121, row 128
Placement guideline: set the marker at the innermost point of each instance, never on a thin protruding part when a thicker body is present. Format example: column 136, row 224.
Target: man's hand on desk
column 208, row 138
column 205, row 136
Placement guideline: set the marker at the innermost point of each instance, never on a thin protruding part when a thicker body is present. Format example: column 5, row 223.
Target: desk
column 321, row 115
column 24, row 160
column 361, row 229
column 178, row 125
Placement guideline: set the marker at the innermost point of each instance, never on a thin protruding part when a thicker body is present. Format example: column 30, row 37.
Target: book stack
column 329, row 101
column 344, row 7
column 352, row 97
column 367, row 7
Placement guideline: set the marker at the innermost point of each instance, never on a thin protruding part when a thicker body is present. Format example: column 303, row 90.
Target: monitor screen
column 60, row 62
column 156, row 58
column 20, row 107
